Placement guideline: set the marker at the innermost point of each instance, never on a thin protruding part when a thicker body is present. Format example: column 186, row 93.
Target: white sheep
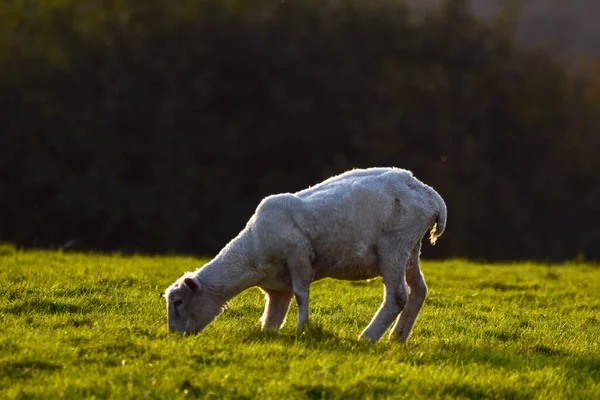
column 358, row 225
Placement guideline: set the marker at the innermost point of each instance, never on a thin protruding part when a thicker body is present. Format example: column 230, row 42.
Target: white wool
column 358, row 225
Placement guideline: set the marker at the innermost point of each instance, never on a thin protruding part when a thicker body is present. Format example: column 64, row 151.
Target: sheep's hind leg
column 302, row 275
column 393, row 266
column 276, row 309
column 418, row 291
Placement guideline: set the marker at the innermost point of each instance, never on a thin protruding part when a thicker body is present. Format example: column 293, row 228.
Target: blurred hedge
column 158, row 126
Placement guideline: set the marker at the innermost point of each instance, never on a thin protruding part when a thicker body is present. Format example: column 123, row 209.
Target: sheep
column 358, row 225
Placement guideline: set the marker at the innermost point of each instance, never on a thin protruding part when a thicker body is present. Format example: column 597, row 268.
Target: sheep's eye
column 177, row 302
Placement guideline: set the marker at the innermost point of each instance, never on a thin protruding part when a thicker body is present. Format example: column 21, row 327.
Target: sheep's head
column 190, row 305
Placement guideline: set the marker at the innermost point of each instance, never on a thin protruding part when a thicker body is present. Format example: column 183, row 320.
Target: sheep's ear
column 192, row 284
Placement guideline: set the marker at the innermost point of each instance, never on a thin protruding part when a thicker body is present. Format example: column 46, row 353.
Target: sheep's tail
column 439, row 225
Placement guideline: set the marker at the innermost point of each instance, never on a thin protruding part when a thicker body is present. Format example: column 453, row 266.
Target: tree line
column 153, row 126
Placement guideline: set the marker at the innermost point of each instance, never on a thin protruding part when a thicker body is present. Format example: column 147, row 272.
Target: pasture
column 94, row 326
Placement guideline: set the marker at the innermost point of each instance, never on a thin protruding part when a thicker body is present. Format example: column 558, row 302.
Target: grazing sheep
column 358, row 225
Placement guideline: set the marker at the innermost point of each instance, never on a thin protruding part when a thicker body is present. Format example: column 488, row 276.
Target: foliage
column 158, row 126
column 89, row 325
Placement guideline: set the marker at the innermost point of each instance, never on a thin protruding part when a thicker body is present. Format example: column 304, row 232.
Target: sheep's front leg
column 302, row 275
column 393, row 266
column 418, row 291
column 276, row 309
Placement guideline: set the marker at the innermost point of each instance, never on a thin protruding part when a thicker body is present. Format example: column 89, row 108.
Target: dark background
column 155, row 126
column 567, row 28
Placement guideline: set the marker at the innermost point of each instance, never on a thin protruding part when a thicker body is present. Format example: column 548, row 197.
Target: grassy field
column 94, row 326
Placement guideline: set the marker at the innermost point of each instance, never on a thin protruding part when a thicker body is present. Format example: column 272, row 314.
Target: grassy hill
column 94, row 326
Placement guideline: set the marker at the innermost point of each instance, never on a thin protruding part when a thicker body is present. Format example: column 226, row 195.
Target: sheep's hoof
column 300, row 332
column 271, row 328
column 367, row 338
column 271, row 332
column 397, row 339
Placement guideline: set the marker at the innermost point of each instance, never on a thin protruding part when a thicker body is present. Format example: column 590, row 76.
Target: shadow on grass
column 195, row 390
column 121, row 348
column 501, row 335
column 547, row 350
column 372, row 386
column 24, row 369
column 241, row 311
column 504, row 287
column 101, row 286
column 75, row 322
column 536, row 357
column 372, row 389
column 587, row 366
column 208, row 360
column 42, row 307
column 315, row 337
column 475, row 391
column 496, row 353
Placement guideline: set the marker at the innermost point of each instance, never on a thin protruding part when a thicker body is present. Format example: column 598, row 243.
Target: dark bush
column 158, row 126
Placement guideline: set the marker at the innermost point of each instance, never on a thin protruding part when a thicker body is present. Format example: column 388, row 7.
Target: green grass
column 87, row 325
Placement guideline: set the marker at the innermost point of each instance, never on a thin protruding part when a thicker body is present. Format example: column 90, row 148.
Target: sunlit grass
column 79, row 325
